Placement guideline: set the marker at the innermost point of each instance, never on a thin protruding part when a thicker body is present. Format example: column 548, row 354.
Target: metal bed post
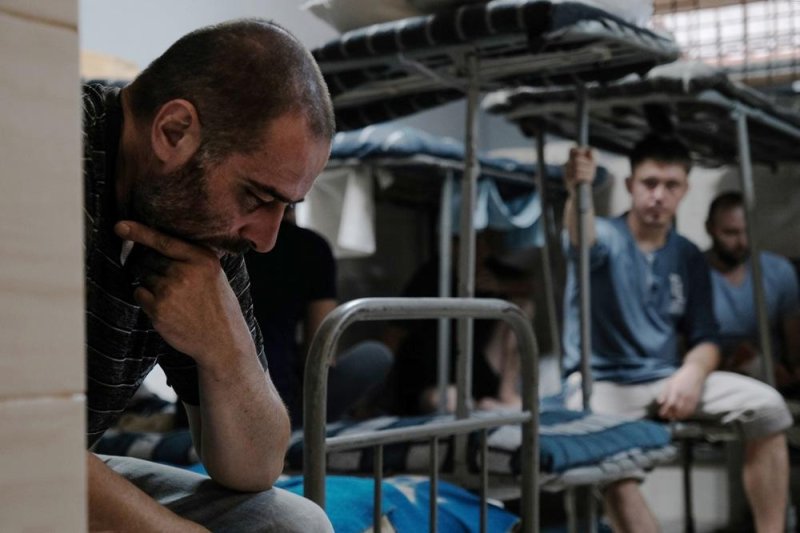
column 433, row 509
column 445, row 282
column 377, row 498
column 315, row 382
column 584, row 286
column 466, row 259
column 547, row 265
column 748, row 190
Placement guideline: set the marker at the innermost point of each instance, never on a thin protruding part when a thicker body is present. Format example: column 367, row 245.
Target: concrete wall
column 42, row 436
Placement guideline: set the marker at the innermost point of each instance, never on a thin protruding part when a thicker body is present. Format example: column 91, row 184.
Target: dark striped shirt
column 121, row 344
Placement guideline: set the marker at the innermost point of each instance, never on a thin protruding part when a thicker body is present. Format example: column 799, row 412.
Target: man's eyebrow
column 271, row 191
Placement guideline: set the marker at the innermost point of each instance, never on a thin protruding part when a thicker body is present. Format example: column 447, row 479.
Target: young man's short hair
column 662, row 149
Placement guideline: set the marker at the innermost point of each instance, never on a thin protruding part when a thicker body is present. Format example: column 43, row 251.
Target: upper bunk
column 398, row 68
column 411, row 168
column 411, row 164
column 695, row 102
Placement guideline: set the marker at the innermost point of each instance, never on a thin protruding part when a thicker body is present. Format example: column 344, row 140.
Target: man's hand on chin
column 187, row 296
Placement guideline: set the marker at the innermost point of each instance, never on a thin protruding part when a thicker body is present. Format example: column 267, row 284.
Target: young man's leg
column 201, row 500
column 627, row 509
column 763, row 416
column 624, row 502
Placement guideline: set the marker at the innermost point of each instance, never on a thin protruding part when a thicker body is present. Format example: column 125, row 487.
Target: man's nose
column 742, row 240
column 261, row 228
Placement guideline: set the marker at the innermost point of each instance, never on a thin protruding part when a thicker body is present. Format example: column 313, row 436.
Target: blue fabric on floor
column 405, row 504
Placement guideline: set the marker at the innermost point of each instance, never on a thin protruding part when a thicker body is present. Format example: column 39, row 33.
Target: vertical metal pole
column 529, row 448
column 748, row 190
column 466, row 262
column 571, row 502
column 484, row 482
column 547, row 265
column 445, row 281
column 584, row 288
column 377, row 462
column 686, row 468
column 584, row 212
column 434, row 485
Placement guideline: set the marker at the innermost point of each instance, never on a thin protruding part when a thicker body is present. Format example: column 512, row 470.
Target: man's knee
column 769, row 416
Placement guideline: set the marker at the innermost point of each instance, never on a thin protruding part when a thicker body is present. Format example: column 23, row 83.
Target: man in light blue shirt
column 654, row 336
column 729, row 258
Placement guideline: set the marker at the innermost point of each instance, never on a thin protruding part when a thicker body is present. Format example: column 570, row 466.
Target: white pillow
column 345, row 15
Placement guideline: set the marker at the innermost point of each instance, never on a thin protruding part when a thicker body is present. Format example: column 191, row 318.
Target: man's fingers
column 145, row 299
column 164, row 244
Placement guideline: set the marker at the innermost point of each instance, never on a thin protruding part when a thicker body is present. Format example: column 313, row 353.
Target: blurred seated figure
column 496, row 365
column 731, row 273
column 293, row 289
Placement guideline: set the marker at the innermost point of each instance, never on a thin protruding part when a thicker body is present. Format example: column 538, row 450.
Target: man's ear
column 175, row 134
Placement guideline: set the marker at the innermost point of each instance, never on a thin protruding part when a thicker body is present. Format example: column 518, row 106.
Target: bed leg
column 434, row 485
column 686, row 465
column 377, row 462
column 484, row 482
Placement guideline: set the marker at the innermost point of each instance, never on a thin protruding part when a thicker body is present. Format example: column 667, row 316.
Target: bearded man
column 732, row 277
column 191, row 164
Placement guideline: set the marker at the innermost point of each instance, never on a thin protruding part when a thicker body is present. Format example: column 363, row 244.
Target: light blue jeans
column 201, row 500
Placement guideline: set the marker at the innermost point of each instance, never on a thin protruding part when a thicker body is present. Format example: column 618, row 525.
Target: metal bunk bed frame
column 466, row 75
column 533, row 119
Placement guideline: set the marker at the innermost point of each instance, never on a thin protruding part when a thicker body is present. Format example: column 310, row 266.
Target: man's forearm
column 241, row 428
column 571, row 222
column 705, row 357
column 115, row 504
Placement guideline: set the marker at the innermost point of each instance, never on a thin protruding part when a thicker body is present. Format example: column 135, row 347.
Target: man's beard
column 729, row 258
column 178, row 204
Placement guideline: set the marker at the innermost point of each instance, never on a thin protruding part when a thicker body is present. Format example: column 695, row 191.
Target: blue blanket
column 404, row 504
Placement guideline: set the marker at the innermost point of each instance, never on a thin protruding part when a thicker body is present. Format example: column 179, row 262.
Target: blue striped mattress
column 576, row 448
column 691, row 100
column 397, row 68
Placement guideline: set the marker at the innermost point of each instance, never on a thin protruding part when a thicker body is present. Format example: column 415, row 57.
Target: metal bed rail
column 323, row 348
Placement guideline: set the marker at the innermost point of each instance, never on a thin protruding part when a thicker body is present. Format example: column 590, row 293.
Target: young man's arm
column 678, row 399
column 241, row 428
column 580, row 168
column 116, row 504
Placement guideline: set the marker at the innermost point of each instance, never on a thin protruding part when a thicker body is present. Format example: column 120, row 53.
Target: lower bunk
column 575, row 449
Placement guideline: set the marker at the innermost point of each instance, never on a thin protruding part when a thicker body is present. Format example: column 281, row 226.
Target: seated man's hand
column 681, row 393
column 187, row 296
column 580, row 168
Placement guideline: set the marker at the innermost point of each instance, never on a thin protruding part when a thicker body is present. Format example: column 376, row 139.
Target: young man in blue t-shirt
column 654, row 336
column 731, row 275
